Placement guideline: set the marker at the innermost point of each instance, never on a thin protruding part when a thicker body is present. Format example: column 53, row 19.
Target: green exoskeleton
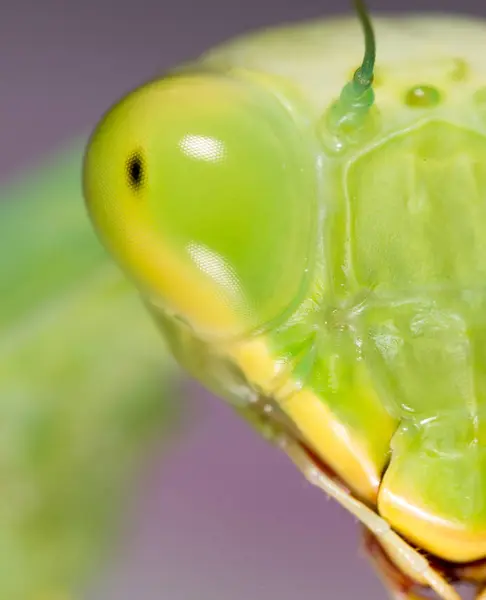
column 309, row 233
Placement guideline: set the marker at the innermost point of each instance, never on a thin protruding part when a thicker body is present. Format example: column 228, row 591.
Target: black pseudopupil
column 135, row 171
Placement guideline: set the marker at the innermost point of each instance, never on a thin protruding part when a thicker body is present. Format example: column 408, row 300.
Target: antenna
column 363, row 76
column 357, row 97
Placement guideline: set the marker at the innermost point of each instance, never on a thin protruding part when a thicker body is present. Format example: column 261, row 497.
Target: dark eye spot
column 135, row 171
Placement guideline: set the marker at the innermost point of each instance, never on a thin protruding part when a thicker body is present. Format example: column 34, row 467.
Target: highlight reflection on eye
column 213, row 265
column 202, row 147
column 216, row 267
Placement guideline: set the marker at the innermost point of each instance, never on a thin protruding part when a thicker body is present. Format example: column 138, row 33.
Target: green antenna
column 348, row 113
column 363, row 76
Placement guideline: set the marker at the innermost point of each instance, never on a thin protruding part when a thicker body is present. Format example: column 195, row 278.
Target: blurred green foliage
column 85, row 385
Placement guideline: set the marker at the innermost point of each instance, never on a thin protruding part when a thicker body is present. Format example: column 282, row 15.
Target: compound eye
column 203, row 188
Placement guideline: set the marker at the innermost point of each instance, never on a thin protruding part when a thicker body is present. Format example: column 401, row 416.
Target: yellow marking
column 177, row 282
column 330, row 439
column 403, row 555
column 255, row 361
column 450, row 541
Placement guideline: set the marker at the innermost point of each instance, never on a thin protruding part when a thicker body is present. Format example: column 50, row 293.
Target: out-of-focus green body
column 80, row 397
column 335, row 274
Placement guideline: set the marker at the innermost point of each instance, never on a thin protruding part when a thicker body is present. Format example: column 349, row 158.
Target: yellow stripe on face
column 164, row 274
column 346, row 450
column 433, row 491
column 456, row 542
column 335, row 443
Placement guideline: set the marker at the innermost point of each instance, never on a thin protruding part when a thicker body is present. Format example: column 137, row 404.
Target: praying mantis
column 308, row 232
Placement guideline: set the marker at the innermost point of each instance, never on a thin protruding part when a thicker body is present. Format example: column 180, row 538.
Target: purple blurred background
column 224, row 516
